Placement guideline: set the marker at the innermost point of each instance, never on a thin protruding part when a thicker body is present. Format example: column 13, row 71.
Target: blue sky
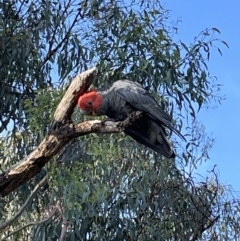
column 224, row 122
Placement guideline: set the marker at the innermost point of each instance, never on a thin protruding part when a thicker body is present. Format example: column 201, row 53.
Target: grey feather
column 124, row 97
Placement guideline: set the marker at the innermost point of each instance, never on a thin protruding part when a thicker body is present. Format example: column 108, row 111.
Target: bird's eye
column 89, row 103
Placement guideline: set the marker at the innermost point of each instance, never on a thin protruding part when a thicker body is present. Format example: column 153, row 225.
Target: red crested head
column 90, row 102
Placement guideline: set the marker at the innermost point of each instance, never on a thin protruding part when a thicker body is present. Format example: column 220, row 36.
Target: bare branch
column 64, row 229
column 30, row 224
column 62, row 131
column 52, row 143
column 53, row 51
column 78, row 86
column 25, row 205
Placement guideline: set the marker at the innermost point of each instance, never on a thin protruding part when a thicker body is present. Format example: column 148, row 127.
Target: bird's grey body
column 124, row 97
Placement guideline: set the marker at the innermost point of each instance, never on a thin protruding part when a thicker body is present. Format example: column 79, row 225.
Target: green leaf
column 184, row 46
column 216, row 30
column 225, row 43
column 219, row 50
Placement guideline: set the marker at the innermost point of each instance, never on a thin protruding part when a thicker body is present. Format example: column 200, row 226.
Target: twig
column 30, row 224
column 25, row 205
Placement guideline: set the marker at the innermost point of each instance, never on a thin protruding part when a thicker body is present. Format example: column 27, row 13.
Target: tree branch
column 30, row 224
column 59, row 45
column 79, row 86
column 25, row 205
column 62, row 131
column 64, row 229
column 51, row 145
column 20, row 173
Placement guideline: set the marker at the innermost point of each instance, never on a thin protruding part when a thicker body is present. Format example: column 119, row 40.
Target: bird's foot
column 103, row 122
column 130, row 119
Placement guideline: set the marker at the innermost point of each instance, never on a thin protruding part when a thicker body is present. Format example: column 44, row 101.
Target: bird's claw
column 130, row 119
column 103, row 122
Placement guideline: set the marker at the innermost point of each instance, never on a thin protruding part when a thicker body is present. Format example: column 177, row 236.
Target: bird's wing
column 140, row 99
column 140, row 131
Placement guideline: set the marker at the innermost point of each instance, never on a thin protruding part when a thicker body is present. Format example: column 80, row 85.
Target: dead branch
column 52, row 143
column 79, row 86
column 62, row 131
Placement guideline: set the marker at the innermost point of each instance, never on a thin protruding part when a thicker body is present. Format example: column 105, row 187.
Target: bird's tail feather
column 160, row 145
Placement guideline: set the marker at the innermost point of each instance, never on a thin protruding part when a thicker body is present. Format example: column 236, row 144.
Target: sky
column 222, row 122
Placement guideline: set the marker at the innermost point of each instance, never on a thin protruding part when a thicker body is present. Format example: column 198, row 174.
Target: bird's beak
column 84, row 112
column 87, row 112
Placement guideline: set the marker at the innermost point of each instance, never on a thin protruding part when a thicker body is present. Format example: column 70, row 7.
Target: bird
column 123, row 98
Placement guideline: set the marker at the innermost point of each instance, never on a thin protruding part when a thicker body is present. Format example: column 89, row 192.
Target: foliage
column 36, row 37
column 108, row 187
